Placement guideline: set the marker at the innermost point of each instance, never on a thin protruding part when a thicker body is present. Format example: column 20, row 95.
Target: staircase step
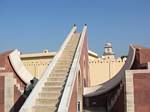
column 39, row 108
column 71, row 44
column 60, row 70
column 47, row 94
column 54, row 83
column 60, row 74
column 63, row 63
column 70, row 52
column 56, row 79
column 47, row 102
column 65, row 59
column 62, row 66
column 52, row 88
column 68, row 55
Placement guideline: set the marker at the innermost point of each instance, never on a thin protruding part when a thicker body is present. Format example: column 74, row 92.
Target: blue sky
column 35, row 25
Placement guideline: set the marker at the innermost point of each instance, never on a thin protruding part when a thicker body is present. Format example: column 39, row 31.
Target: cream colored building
column 105, row 67
column 101, row 68
column 36, row 63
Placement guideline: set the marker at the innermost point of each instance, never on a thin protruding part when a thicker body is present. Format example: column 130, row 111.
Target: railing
column 30, row 102
column 66, row 97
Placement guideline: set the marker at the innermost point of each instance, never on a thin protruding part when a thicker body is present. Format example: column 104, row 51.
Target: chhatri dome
column 107, row 45
column 108, row 49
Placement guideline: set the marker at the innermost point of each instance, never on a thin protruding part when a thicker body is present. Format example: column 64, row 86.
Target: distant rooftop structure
column 108, row 49
column 105, row 67
column 108, row 52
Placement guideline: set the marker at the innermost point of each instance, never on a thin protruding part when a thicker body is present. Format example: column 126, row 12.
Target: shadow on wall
column 18, row 104
column 24, row 96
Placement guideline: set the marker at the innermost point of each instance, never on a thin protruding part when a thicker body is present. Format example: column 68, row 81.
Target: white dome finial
column 108, row 45
column 108, row 49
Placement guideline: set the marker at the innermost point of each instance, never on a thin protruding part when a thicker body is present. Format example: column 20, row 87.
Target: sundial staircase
column 47, row 94
column 50, row 95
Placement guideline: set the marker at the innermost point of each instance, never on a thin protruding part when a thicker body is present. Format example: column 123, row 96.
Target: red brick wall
column 5, row 62
column 142, row 56
column 84, row 75
column 2, row 79
column 84, row 63
column 142, row 92
column 73, row 103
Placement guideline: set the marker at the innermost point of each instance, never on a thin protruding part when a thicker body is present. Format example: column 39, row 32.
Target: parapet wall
column 102, row 70
column 36, row 63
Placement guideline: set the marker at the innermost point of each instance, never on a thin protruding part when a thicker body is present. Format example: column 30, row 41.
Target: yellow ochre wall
column 101, row 70
column 36, row 63
column 105, row 67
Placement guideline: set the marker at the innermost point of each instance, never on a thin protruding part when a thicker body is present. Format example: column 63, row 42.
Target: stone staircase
column 50, row 96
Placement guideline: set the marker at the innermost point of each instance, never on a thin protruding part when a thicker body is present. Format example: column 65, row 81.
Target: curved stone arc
column 108, row 85
column 19, row 67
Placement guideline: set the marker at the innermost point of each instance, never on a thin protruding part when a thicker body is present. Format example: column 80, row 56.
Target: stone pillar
column 9, row 92
column 129, row 91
